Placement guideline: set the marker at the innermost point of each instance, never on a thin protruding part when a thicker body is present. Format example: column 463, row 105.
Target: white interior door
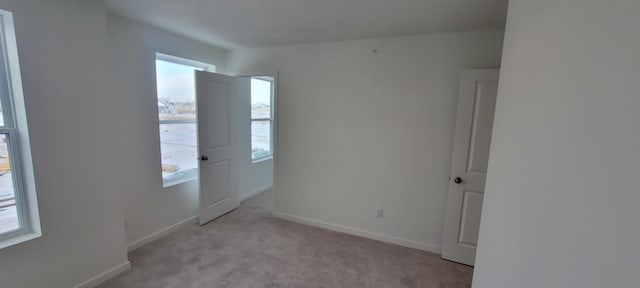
column 216, row 96
column 476, row 106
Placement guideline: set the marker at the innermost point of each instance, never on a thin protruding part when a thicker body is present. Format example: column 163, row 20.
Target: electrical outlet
column 380, row 213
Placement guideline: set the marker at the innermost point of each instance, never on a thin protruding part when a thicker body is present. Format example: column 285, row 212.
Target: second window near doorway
column 261, row 118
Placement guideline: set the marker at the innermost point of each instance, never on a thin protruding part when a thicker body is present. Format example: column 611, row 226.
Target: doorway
column 237, row 139
column 470, row 156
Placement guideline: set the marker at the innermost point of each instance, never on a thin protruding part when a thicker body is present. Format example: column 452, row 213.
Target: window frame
column 17, row 134
column 181, row 176
column 271, row 80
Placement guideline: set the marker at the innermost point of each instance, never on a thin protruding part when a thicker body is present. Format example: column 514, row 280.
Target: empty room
column 354, row 143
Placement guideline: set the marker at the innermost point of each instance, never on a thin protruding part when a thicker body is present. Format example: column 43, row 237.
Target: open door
column 215, row 95
column 476, row 106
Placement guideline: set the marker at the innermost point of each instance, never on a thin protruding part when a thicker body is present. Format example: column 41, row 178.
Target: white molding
column 361, row 233
column 160, row 233
column 184, row 61
column 104, row 276
column 267, row 158
column 256, row 191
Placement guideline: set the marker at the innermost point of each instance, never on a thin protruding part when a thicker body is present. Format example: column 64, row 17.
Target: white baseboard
column 160, row 233
column 104, row 276
column 362, row 233
column 255, row 192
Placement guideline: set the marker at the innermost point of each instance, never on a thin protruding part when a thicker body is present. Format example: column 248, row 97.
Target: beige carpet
column 249, row 248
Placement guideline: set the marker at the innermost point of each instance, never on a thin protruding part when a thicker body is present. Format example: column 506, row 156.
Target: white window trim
column 186, row 62
column 179, row 177
column 192, row 174
column 262, row 159
column 16, row 128
column 270, row 119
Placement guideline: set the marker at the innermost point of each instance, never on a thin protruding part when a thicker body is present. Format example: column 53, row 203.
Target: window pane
column 260, row 98
column 179, row 148
column 1, row 115
column 8, row 211
column 176, row 91
column 260, row 139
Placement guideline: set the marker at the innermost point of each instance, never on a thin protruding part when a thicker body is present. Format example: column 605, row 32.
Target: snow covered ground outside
column 260, row 138
column 9, row 214
column 179, row 147
column 8, row 211
column 179, row 144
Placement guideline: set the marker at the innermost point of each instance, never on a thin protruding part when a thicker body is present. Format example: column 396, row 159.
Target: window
column 261, row 118
column 18, row 206
column 175, row 80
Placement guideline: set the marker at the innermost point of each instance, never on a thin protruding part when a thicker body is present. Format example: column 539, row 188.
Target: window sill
column 179, row 178
column 256, row 161
column 19, row 238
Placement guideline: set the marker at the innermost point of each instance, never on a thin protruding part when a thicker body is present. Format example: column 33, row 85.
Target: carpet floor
column 249, row 248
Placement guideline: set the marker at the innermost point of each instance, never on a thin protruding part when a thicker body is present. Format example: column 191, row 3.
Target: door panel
column 220, row 174
column 215, row 94
column 218, row 115
column 482, row 122
column 474, row 122
column 469, row 222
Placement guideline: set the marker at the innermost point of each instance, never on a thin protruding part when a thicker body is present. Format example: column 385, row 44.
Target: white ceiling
column 251, row 23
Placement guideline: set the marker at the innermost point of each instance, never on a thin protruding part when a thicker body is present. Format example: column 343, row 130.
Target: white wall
column 361, row 130
column 561, row 201
column 62, row 56
column 148, row 206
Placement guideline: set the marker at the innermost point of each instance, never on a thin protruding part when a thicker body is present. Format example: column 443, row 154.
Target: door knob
column 457, row 180
column 204, row 158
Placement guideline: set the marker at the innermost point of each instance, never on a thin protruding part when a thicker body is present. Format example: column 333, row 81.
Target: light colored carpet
column 248, row 248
